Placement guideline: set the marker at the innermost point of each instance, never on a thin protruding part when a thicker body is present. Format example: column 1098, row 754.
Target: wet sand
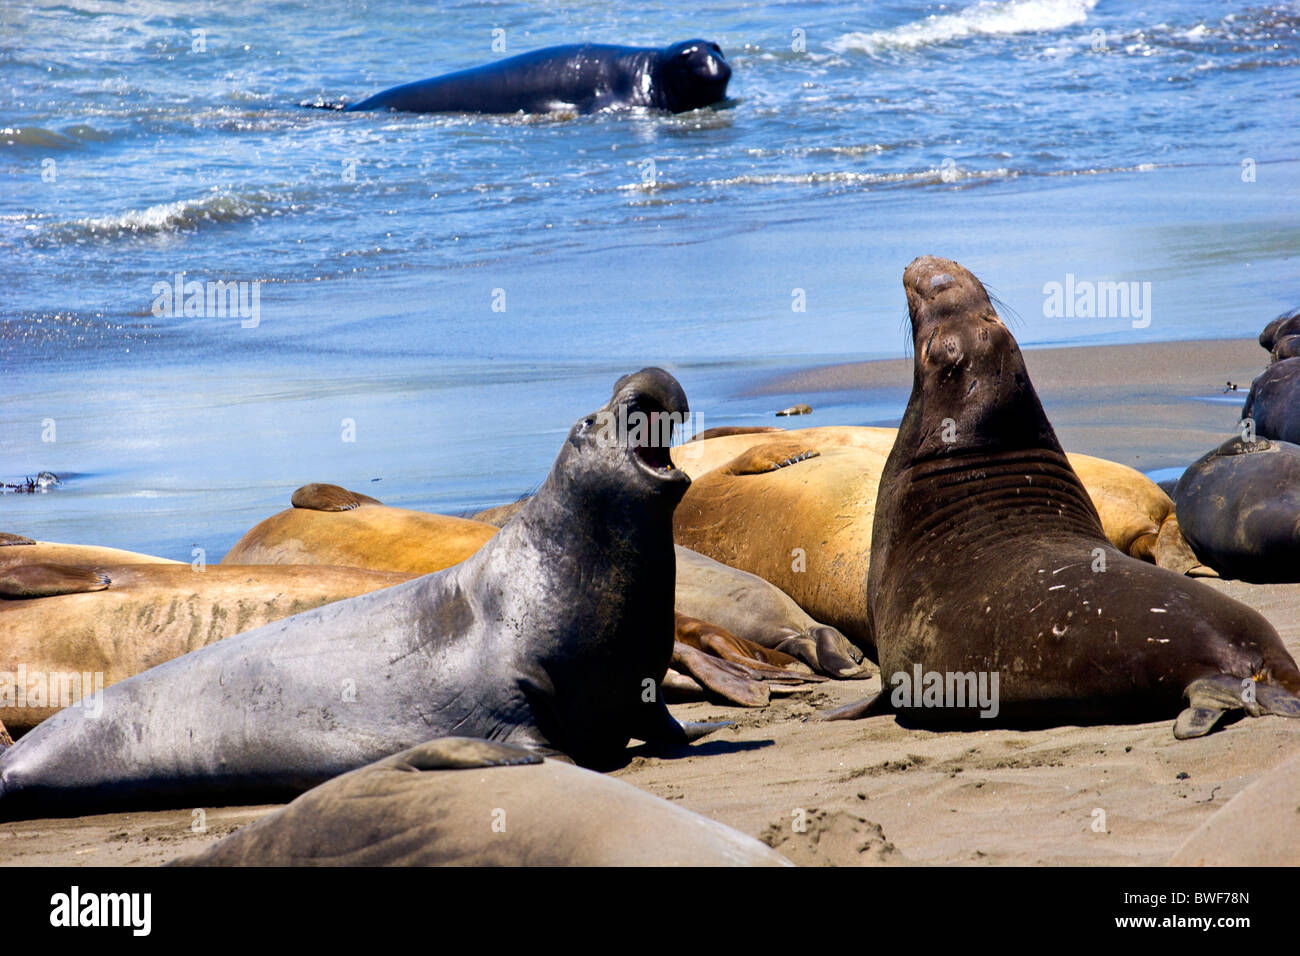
column 1146, row 406
column 876, row 792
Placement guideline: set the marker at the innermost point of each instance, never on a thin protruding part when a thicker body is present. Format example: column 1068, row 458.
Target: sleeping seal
column 991, row 577
column 457, row 801
column 552, row 636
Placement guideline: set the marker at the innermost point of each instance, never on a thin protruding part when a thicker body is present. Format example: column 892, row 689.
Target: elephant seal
column 751, row 608
column 1288, row 323
column 992, row 588
column 583, row 78
column 15, row 549
column 113, row 621
column 797, row 515
column 460, row 801
column 1239, row 507
column 1136, row 513
column 1273, row 403
column 331, row 525
column 553, row 636
column 1260, row 826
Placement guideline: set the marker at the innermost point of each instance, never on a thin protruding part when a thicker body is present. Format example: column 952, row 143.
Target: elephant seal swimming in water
column 1239, row 507
column 584, row 78
column 553, row 635
column 992, row 588
column 458, row 801
column 1273, row 403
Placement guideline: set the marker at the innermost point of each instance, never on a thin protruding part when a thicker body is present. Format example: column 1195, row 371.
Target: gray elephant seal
column 551, row 636
column 992, row 588
column 458, row 801
column 585, row 78
column 1239, row 509
column 1273, row 403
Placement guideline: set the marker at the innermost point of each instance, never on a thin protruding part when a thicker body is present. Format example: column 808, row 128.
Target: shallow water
column 1012, row 136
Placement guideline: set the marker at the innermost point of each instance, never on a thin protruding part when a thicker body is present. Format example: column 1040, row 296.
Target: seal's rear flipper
column 866, row 707
column 1210, row 698
column 464, row 753
column 5, row 740
column 322, row 105
column 720, row 677
column 23, row 581
column 325, row 497
column 8, row 538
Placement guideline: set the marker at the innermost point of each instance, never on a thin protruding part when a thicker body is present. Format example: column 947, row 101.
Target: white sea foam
column 986, row 18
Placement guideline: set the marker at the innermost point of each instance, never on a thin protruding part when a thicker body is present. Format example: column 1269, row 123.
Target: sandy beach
column 875, row 792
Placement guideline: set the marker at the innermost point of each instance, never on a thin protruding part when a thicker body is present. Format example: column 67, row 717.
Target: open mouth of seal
column 649, row 436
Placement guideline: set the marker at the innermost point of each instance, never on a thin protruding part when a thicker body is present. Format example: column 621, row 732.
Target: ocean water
column 440, row 297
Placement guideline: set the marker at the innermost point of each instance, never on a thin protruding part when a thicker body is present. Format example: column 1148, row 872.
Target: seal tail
column 1209, row 699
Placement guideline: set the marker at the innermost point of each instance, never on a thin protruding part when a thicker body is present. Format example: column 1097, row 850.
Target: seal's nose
column 927, row 276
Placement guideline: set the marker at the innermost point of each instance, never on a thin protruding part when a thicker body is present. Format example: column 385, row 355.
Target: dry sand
column 876, row 792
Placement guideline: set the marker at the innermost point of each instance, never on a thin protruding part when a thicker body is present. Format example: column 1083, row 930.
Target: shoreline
column 1150, row 406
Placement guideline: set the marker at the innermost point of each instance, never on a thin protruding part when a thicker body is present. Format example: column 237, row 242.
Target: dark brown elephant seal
column 1239, row 508
column 1273, row 404
column 993, row 592
column 1288, row 323
column 459, row 801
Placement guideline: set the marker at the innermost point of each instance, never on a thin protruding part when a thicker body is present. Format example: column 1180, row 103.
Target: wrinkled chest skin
column 988, row 557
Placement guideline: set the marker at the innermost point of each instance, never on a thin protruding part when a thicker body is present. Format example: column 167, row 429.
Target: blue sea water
column 1033, row 140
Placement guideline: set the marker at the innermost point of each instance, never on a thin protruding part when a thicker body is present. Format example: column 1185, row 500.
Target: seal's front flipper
column 323, row 497
column 1210, row 698
column 694, row 729
column 463, row 753
column 760, row 459
column 866, row 707
column 838, row 656
column 1172, row 550
column 22, row 581
column 659, row 727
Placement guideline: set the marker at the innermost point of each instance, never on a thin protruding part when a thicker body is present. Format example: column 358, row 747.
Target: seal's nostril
column 941, row 281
